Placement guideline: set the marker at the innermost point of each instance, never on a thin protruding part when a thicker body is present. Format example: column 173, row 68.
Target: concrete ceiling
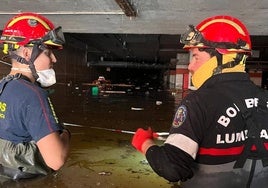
column 151, row 34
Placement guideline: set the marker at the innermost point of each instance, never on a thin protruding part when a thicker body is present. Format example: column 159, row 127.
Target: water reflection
column 102, row 158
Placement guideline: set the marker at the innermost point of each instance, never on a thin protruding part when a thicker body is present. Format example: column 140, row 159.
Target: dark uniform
column 208, row 125
column 26, row 116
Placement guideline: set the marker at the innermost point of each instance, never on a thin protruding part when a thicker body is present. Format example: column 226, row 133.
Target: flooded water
column 105, row 158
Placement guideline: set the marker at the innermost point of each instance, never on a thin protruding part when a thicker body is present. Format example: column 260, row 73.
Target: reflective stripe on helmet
column 235, row 25
column 15, row 20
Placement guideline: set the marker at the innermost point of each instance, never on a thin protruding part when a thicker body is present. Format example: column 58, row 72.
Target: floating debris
column 104, row 173
column 134, row 108
column 144, row 162
column 158, row 102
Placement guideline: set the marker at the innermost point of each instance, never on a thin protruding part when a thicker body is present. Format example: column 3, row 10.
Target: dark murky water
column 103, row 158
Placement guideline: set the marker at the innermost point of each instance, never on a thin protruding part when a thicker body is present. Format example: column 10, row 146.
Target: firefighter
column 32, row 142
column 207, row 142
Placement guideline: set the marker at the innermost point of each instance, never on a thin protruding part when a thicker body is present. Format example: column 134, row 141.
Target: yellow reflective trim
column 5, row 49
column 16, row 46
column 3, row 106
column 199, row 45
column 29, row 17
column 235, row 25
column 53, row 111
column 2, row 116
column 49, row 42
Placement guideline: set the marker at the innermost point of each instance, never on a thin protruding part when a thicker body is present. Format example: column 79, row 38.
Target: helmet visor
column 54, row 37
column 191, row 37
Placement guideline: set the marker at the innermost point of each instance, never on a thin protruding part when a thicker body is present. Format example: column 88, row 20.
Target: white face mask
column 46, row 77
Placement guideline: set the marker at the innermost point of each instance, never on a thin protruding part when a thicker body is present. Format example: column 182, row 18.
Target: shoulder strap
column 254, row 128
column 6, row 80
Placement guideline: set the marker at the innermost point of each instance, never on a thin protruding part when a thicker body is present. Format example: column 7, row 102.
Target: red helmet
column 29, row 28
column 225, row 33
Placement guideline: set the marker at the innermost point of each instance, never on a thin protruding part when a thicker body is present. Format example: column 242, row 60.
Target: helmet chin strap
column 230, row 63
column 239, row 57
column 35, row 53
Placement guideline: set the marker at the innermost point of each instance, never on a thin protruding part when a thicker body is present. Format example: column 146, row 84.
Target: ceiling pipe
column 122, row 64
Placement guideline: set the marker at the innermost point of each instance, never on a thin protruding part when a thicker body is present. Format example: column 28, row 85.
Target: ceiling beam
column 126, row 8
column 116, row 12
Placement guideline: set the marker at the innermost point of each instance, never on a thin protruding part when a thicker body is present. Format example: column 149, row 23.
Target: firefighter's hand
column 141, row 136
